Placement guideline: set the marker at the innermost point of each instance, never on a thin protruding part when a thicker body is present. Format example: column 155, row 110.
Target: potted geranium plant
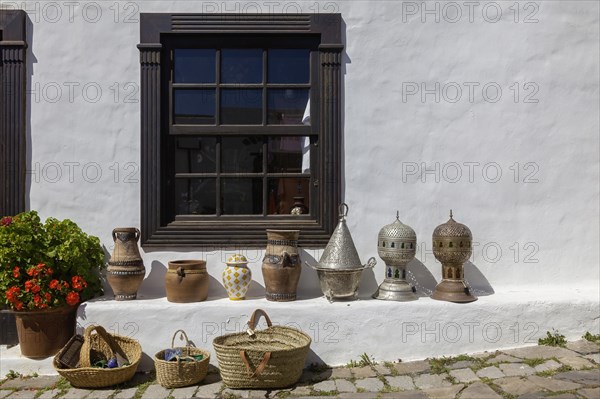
column 46, row 270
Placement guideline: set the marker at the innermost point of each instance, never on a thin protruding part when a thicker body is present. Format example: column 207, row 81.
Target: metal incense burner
column 339, row 268
column 452, row 247
column 396, row 245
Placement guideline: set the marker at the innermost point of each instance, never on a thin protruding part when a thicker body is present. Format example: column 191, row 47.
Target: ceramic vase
column 125, row 271
column 237, row 277
column 281, row 265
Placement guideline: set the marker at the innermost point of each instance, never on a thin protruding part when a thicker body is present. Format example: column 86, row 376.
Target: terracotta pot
column 237, row 277
column 43, row 333
column 125, row 271
column 281, row 265
column 186, row 281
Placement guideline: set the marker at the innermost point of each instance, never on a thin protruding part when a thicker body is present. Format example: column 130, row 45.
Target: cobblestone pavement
column 524, row 373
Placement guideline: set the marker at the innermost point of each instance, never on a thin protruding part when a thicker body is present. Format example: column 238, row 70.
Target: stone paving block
column 460, row 365
column 426, row 381
column 156, row 391
column 491, row 372
column 418, row 367
column 341, row 372
column 595, row 357
column 444, row 393
column 585, row 377
column 516, row 369
column 325, row 386
column 357, row 395
column 208, row 390
column 402, row 382
column 183, row 393
column 516, row 385
column 583, row 346
column 590, row 393
column 44, row 381
column 502, row 358
column 128, row 393
column 576, row 362
column 101, row 394
column 363, row 372
column 25, row 394
column 464, row 375
column 564, row 396
column 47, row 394
column 541, row 351
column 302, row 390
column 76, row 393
column 479, row 390
column 403, row 395
column 554, row 385
column 344, row 386
column 370, row 384
column 240, row 393
column 382, row 369
column 257, row 393
column 547, row 366
column 5, row 392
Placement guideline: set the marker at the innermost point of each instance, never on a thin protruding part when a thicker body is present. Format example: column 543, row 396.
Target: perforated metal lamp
column 452, row 247
column 396, row 246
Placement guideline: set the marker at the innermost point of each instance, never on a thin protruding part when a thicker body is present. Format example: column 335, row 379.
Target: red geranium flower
column 35, row 289
column 54, row 285
column 78, row 283
column 72, row 298
column 28, row 285
column 33, row 271
column 12, row 293
column 19, row 305
column 48, row 297
column 6, row 221
column 16, row 273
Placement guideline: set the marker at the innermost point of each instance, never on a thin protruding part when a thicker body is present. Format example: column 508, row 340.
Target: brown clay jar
column 126, row 270
column 186, row 281
column 281, row 265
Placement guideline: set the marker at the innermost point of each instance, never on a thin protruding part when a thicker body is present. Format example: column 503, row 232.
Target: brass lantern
column 452, row 247
column 396, row 245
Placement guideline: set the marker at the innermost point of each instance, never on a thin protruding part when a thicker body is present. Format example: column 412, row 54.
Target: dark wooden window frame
column 156, row 30
column 13, row 49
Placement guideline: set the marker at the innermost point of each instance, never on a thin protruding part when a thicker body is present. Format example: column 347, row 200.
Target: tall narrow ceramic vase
column 126, row 270
column 281, row 265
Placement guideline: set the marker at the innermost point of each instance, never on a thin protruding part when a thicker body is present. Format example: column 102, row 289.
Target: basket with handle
column 262, row 359
column 101, row 345
column 186, row 370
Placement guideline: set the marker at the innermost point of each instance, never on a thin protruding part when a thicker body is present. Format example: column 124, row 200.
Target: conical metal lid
column 340, row 252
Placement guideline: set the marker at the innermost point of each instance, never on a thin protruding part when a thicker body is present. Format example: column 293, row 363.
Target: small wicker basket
column 267, row 359
column 181, row 373
column 106, row 346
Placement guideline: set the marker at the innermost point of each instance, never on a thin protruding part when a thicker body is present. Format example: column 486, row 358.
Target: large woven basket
column 181, row 373
column 270, row 358
column 101, row 345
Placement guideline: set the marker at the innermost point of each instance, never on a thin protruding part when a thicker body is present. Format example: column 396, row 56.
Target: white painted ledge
column 342, row 331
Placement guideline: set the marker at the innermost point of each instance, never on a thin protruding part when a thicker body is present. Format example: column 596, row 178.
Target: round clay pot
column 186, row 281
column 281, row 266
column 42, row 333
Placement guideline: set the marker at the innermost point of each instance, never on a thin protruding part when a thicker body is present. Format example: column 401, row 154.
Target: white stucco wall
column 542, row 212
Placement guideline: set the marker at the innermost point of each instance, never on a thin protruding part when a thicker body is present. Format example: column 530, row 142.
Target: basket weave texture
column 265, row 359
column 101, row 345
column 178, row 374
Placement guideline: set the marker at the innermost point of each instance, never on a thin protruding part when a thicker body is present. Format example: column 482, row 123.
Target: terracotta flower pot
column 42, row 333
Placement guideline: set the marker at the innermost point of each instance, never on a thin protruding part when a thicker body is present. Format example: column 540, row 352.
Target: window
column 13, row 48
column 240, row 126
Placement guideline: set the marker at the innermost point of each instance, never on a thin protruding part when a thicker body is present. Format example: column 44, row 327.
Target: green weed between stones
column 440, row 365
column 549, row 373
column 592, row 338
column 391, row 367
column 324, row 393
column 364, row 361
column 534, row 362
column 553, row 339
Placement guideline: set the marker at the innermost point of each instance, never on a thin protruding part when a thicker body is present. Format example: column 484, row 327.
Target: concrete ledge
column 342, row 331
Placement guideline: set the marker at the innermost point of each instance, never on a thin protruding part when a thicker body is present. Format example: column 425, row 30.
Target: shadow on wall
column 308, row 287
column 421, row 278
column 153, row 285
column 479, row 285
column 368, row 284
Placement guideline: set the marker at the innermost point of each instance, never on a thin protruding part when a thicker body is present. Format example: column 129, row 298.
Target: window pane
column 195, row 155
column 287, row 106
column 241, row 107
column 241, row 196
column 289, row 66
column 242, row 154
column 289, row 155
column 284, row 192
column 195, row 66
column 194, row 107
column 241, row 66
column 195, row 196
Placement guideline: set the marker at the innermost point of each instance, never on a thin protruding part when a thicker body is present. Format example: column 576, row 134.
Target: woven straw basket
column 270, row 358
column 177, row 374
column 96, row 346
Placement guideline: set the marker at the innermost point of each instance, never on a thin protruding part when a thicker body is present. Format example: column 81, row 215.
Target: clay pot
column 186, row 281
column 281, row 265
column 42, row 333
column 126, row 270
column 237, row 277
